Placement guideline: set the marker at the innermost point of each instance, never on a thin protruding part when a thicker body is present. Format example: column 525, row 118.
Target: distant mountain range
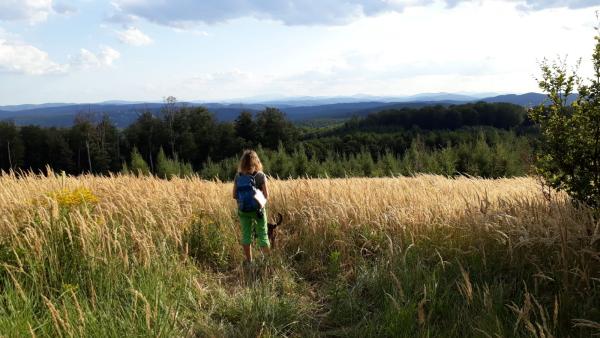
column 317, row 101
column 525, row 100
column 297, row 108
column 33, row 106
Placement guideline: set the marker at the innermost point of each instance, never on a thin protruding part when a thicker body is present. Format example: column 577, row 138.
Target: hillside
column 413, row 257
column 440, row 117
column 482, row 139
column 525, row 100
column 297, row 110
column 124, row 114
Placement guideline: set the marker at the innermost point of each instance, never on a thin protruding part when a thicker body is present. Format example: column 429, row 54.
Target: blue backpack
column 245, row 191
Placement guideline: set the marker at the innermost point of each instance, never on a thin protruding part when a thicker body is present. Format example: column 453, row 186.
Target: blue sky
column 144, row 50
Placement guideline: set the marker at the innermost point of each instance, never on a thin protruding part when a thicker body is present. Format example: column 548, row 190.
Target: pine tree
column 281, row 164
column 138, row 165
column 301, row 163
column 388, row 164
column 446, row 159
column 165, row 167
column 211, row 170
column 366, row 164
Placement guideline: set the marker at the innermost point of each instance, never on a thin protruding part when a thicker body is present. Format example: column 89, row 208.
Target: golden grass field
column 406, row 256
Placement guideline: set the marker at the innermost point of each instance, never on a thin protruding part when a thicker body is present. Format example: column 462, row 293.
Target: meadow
column 422, row 256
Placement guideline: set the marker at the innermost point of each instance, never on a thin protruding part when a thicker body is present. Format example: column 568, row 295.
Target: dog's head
column 272, row 229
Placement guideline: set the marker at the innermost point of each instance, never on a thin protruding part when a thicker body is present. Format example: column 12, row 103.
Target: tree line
column 497, row 115
column 485, row 153
column 181, row 140
column 189, row 135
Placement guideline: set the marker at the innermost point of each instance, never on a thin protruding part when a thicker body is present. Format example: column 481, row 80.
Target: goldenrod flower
column 74, row 198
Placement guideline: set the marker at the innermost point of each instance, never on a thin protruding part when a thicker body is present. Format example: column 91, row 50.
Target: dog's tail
column 279, row 219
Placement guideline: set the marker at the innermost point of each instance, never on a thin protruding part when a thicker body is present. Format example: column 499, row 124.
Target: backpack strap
column 253, row 176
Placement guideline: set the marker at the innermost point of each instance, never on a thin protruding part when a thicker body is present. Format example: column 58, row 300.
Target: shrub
column 138, row 165
column 169, row 168
column 569, row 157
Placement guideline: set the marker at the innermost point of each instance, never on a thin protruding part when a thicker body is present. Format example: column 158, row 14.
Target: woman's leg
column 262, row 232
column 246, row 223
column 247, row 252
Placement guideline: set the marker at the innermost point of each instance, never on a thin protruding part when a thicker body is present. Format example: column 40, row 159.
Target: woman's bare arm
column 265, row 190
column 233, row 193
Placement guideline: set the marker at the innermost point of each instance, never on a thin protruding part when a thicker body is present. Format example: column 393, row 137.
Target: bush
column 569, row 157
column 169, row 168
column 138, row 165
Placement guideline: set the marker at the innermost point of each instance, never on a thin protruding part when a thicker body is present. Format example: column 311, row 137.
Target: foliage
column 10, row 141
column 498, row 115
column 485, row 155
column 274, row 129
column 182, row 140
column 169, row 168
column 569, row 157
column 247, row 129
column 166, row 168
column 138, row 165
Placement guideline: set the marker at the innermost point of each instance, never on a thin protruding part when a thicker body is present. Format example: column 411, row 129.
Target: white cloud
column 17, row 57
column 469, row 48
column 28, row 10
column 64, row 8
column 222, row 77
column 185, row 13
column 182, row 13
column 544, row 4
column 87, row 59
column 133, row 36
column 22, row 58
column 196, row 32
column 33, row 11
column 234, row 82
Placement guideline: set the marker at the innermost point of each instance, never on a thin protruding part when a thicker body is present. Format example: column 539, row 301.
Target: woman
column 253, row 218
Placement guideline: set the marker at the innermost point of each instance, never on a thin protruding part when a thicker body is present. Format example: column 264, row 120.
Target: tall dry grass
column 407, row 256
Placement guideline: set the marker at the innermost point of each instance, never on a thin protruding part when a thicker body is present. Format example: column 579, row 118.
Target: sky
column 144, row 50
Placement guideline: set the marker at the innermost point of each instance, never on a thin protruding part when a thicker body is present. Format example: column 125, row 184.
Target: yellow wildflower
column 73, row 198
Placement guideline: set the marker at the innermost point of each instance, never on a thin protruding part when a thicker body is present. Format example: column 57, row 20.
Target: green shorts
column 251, row 223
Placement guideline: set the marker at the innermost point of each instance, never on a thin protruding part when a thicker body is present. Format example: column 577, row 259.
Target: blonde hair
column 249, row 162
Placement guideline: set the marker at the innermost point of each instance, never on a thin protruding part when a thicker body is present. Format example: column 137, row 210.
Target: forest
column 478, row 139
